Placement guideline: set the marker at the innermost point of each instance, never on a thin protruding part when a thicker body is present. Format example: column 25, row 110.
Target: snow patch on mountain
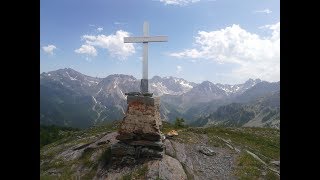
column 159, row 88
column 94, row 99
column 99, row 91
column 237, row 88
column 185, row 84
column 71, row 78
column 122, row 94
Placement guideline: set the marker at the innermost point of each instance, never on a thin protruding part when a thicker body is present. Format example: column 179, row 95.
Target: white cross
column 145, row 39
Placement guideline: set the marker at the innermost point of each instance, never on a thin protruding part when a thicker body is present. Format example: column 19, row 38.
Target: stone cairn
column 139, row 133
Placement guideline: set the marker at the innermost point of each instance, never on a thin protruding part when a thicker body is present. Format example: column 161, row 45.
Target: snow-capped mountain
column 69, row 79
column 169, row 85
column 207, row 90
column 65, row 92
column 238, row 88
column 74, row 99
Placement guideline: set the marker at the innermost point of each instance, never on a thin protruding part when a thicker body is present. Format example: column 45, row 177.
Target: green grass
column 103, row 128
column 105, row 157
column 166, row 127
column 216, row 142
column 67, row 174
column 72, row 137
column 264, row 142
column 139, row 173
column 52, row 133
column 54, row 164
column 248, row 167
column 47, row 177
column 49, row 152
column 271, row 175
column 90, row 175
column 185, row 136
column 127, row 177
column 64, row 167
column 261, row 141
column 85, row 157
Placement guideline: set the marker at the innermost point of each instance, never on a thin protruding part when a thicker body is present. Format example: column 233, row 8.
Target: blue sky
column 223, row 41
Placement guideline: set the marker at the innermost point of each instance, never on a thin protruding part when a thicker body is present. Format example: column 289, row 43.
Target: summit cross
column 145, row 39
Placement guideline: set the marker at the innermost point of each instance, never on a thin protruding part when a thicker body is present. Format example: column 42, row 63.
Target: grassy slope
column 52, row 133
column 48, row 153
column 264, row 142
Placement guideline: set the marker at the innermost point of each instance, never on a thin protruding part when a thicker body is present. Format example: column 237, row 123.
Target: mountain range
column 70, row 98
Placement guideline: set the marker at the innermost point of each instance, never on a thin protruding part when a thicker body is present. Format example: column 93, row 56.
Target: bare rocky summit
column 196, row 153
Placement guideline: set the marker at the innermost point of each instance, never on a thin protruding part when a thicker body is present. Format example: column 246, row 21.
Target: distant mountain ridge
column 264, row 111
column 70, row 98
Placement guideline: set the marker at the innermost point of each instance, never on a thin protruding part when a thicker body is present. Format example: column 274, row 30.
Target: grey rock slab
column 256, row 157
column 200, row 166
column 167, row 168
column 180, row 151
column 277, row 163
column 169, row 149
column 206, row 150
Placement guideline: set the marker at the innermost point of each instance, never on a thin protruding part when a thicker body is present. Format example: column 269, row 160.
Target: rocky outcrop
column 167, row 168
column 211, row 163
column 180, row 161
column 169, row 149
column 206, row 150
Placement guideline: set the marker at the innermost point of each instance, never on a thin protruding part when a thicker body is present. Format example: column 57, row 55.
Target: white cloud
column 179, row 69
column 87, row 49
column 178, row 2
column 113, row 43
column 99, row 29
column 49, row 49
column 267, row 11
column 254, row 56
column 275, row 30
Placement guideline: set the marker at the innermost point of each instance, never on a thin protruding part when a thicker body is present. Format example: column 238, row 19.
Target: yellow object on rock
column 172, row 133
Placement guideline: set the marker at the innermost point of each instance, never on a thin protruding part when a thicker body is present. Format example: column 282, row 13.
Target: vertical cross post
column 144, row 81
column 145, row 39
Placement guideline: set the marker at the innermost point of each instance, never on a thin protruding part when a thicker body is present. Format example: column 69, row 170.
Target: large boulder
column 167, row 168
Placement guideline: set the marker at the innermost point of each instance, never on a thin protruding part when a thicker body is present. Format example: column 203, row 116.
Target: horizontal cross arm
column 145, row 39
